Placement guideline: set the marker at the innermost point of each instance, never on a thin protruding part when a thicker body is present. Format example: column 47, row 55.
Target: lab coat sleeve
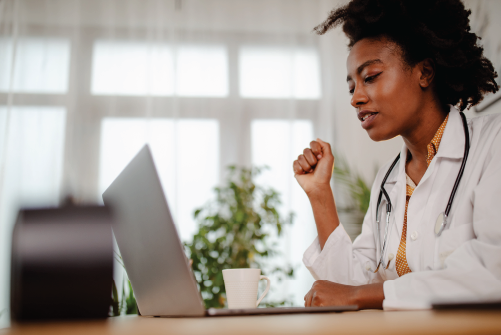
column 473, row 270
column 342, row 261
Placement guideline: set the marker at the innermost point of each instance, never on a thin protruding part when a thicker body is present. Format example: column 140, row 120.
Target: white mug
column 241, row 287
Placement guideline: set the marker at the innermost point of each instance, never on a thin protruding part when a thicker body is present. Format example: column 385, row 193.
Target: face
column 386, row 93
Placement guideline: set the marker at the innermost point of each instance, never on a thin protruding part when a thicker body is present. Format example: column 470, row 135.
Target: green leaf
column 357, row 190
column 115, row 310
column 131, row 305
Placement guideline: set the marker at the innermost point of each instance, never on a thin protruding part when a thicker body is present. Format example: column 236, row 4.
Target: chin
column 377, row 135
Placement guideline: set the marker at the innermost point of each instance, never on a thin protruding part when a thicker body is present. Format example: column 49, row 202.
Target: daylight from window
column 41, row 65
column 139, row 68
column 188, row 167
column 267, row 72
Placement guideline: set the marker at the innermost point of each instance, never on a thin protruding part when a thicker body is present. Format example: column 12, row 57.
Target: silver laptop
column 152, row 252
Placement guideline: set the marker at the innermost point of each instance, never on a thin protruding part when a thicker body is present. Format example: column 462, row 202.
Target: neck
column 417, row 138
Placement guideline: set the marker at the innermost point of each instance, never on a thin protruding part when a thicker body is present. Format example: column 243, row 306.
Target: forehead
column 369, row 49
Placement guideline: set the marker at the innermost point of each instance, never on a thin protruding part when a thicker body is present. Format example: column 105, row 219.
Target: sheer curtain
column 207, row 83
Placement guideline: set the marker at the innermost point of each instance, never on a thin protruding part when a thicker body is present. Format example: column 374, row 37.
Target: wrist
column 319, row 192
column 369, row 296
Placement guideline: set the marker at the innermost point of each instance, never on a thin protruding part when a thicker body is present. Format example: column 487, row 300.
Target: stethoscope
column 442, row 217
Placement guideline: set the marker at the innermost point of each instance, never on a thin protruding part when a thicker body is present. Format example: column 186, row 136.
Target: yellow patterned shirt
column 401, row 261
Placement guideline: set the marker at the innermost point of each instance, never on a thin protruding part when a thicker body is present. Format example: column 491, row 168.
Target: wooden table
column 363, row 322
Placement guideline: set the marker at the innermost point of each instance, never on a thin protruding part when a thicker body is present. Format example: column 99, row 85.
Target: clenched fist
column 313, row 169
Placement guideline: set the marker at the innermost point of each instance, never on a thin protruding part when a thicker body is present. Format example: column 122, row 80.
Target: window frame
column 86, row 110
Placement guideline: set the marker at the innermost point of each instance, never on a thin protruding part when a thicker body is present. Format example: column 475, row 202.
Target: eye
column 371, row 78
column 352, row 91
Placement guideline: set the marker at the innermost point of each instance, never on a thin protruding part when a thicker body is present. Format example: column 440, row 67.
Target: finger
column 307, row 299
column 310, row 157
column 326, row 148
column 316, row 148
column 315, row 302
column 304, row 164
column 297, row 168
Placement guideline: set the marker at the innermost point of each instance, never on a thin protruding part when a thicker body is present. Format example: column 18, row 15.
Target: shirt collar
column 451, row 144
column 435, row 142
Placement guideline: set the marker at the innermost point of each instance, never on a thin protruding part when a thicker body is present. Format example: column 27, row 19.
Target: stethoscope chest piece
column 440, row 224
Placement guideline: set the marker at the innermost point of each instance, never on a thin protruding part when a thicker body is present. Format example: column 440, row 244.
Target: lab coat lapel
column 452, row 143
column 397, row 193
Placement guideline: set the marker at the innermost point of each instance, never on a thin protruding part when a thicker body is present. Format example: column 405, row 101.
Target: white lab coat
column 465, row 261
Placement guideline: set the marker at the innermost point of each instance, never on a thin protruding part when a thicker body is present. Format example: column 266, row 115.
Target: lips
column 366, row 117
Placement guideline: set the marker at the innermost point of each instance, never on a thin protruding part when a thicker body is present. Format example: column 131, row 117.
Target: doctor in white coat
column 413, row 87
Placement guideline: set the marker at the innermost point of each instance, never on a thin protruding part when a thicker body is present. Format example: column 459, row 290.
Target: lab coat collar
column 451, row 145
column 399, row 168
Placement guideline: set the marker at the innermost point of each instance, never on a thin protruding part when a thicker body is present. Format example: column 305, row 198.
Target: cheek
column 394, row 93
column 393, row 97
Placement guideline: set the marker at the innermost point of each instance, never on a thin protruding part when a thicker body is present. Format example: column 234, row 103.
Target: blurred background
column 207, row 83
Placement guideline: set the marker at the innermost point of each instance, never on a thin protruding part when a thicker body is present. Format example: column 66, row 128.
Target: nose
column 359, row 97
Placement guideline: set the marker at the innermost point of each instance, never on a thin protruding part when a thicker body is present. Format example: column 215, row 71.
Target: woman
column 412, row 66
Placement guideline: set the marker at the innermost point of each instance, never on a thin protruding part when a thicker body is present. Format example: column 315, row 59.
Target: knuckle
column 316, row 301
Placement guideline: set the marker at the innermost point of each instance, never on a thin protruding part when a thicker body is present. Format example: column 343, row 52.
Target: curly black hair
column 436, row 29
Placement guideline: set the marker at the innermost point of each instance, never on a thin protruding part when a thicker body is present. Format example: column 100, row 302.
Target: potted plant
column 233, row 232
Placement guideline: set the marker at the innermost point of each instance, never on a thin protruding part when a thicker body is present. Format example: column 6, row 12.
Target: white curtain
column 207, row 83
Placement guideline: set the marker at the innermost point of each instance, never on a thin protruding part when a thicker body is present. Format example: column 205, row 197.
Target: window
column 34, row 153
column 41, row 65
column 184, row 135
column 186, row 157
column 202, row 71
column 279, row 73
column 140, row 68
column 289, row 138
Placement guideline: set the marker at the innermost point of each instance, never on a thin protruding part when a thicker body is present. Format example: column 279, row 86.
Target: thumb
column 326, row 148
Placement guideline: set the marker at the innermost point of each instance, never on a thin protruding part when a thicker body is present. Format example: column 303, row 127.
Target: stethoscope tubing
column 388, row 211
column 382, row 191
column 463, row 164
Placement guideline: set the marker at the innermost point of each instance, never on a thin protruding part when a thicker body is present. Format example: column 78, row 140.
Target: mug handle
column 265, row 291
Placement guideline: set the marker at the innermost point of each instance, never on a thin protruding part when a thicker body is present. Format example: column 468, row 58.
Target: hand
column 313, row 169
column 327, row 293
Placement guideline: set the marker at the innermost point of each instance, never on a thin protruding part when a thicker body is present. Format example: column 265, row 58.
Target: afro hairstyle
column 436, row 29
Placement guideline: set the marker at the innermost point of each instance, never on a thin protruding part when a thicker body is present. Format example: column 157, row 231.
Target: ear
column 426, row 72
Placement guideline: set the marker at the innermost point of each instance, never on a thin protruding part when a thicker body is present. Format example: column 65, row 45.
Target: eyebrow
column 364, row 65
